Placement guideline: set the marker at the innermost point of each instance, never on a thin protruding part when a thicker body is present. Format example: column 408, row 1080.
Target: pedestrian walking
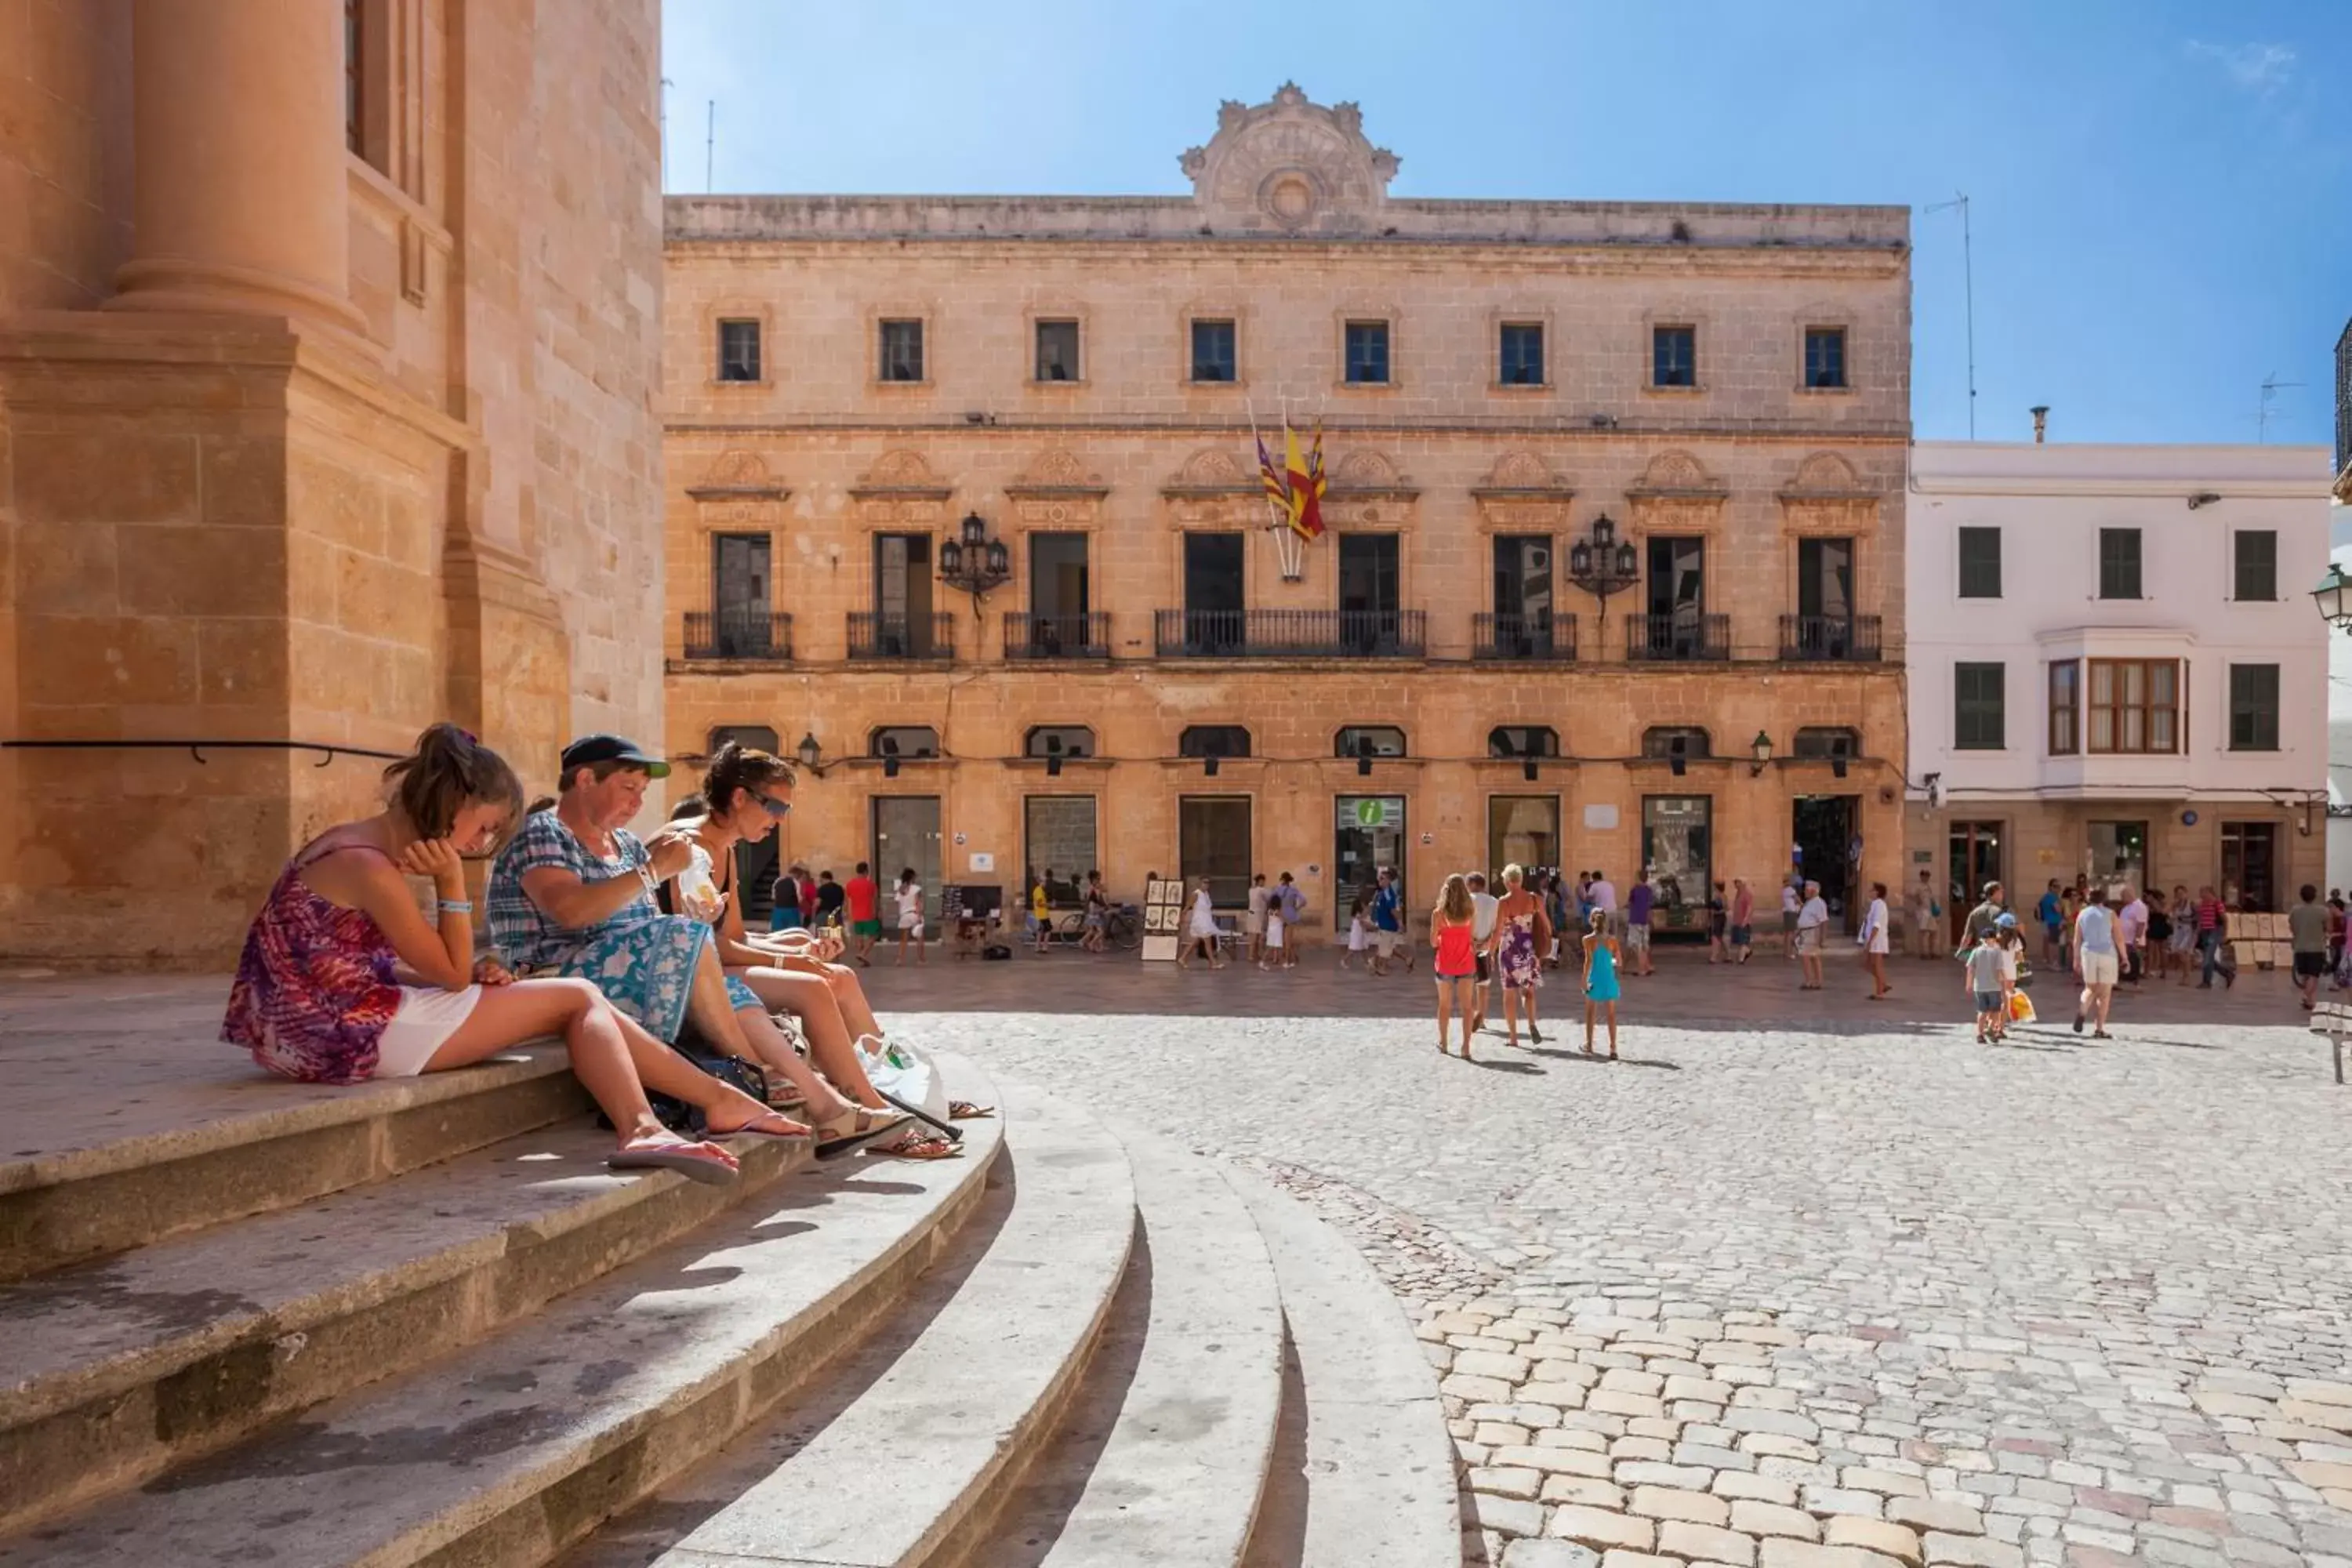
column 1812, row 932
column 2131, row 931
column 1985, row 915
column 1201, row 929
column 2159, row 932
column 1604, row 900
column 2053, row 920
column 2306, row 925
column 1743, row 918
column 1981, row 980
column 1275, row 946
column 1254, row 920
column 1791, row 901
column 1040, row 914
column 1926, row 915
column 909, row 896
column 1599, row 981
column 2184, row 933
column 830, row 899
column 863, row 897
column 1388, row 923
column 1098, row 914
column 1482, row 905
column 1359, row 932
column 786, row 913
column 2212, row 930
column 2095, row 939
column 1453, row 934
column 1873, row 938
column 1290, row 898
column 1718, row 926
column 1522, row 932
column 1640, row 899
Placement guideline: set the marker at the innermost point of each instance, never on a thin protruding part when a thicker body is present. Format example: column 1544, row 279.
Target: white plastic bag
column 898, row 1072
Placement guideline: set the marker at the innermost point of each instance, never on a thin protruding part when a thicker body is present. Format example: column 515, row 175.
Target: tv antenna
column 2272, row 388
column 1968, row 283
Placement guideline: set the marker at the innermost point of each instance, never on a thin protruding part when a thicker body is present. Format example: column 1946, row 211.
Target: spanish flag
column 1303, row 478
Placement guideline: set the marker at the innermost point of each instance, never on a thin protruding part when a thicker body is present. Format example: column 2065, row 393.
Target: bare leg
column 850, row 996
column 832, row 1041
column 1612, row 1031
column 1444, row 1015
column 1511, row 994
column 1589, row 1008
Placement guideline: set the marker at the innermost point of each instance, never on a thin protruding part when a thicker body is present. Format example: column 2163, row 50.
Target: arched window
column 1827, row 740
column 905, row 741
column 1382, row 741
column 1059, row 740
column 1509, row 740
column 1671, row 740
column 1213, row 741
column 751, row 737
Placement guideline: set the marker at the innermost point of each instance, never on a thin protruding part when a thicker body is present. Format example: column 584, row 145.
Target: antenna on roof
column 1968, row 282
column 2272, row 386
column 710, row 144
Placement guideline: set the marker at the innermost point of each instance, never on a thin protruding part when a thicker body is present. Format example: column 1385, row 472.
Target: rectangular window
column 1824, row 357
column 1979, row 707
column 2134, row 705
column 1060, row 842
column 1522, row 362
column 1825, row 581
column 1368, row 353
column 738, row 350
column 1523, row 575
column 2254, row 552
column 1213, row 841
column 1980, row 563
column 1674, row 356
column 2065, row 707
column 902, row 352
column 2254, row 708
column 2119, row 564
column 1369, row 832
column 1522, row 830
column 1057, row 350
column 1213, row 355
column 743, row 625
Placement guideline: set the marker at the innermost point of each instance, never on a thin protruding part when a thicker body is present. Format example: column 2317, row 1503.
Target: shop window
column 1824, row 741
column 1370, row 740
column 905, row 741
column 1675, row 741
column 1059, row 740
column 1213, row 741
column 1507, row 742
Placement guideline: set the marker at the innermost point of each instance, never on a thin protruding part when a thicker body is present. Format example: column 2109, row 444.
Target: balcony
column 1029, row 636
column 885, row 638
column 1519, row 638
column 1683, row 636
column 1289, row 634
column 739, row 634
column 1837, row 639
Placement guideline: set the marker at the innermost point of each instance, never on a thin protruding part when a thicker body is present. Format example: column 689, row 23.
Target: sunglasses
column 771, row 805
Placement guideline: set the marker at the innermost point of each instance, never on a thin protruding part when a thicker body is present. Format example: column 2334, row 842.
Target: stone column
column 241, row 203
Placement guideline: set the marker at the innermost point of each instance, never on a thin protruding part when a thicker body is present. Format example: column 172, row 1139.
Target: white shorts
column 1384, row 942
column 1637, row 937
column 1254, row 923
column 911, row 923
column 421, row 1026
column 1878, row 941
column 1273, row 931
column 2099, row 968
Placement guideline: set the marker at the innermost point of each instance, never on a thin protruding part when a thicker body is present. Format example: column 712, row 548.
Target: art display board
column 1163, row 919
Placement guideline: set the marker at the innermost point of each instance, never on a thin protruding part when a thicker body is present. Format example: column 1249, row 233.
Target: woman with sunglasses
column 745, row 795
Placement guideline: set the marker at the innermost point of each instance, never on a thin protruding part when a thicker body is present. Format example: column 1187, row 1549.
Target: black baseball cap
column 589, row 750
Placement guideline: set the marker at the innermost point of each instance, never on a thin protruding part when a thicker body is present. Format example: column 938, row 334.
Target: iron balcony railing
column 1837, row 639
column 1290, row 634
column 874, row 635
column 1682, row 634
column 737, row 634
column 1514, row 636
column 1028, row 635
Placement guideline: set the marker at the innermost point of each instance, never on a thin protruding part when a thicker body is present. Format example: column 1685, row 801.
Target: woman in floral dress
column 1522, row 932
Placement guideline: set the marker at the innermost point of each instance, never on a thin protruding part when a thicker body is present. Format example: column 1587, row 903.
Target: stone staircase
column 419, row 1323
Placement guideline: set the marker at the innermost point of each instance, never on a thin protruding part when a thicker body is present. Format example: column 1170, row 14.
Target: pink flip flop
column 757, row 1127
column 704, row 1162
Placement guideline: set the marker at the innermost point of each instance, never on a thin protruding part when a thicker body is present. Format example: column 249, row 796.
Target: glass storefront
column 1678, row 851
column 1521, row 830
column 2118, row 856
column 1368, row 833
column 1213, row 833
column 1061, row 842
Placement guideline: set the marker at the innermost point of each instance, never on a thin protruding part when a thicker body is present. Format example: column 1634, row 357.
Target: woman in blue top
column 1600, row 979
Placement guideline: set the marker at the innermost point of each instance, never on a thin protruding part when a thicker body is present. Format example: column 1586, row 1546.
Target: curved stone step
column 508, row 1451
column 1379, row 1479
column 902, row 1454
column 1164, row 1452
column 176, row 1134
column 118, row 1368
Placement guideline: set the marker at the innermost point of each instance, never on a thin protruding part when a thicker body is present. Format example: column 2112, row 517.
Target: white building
column 2115, row 667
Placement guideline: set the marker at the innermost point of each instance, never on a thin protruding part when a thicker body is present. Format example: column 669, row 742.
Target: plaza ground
column 1805, row 1281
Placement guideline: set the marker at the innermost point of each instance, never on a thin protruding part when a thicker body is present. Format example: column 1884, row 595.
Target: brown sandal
column 965, row 1110
column 923, row 1146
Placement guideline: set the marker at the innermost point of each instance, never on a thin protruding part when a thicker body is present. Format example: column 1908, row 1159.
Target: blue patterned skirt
column 646, row 968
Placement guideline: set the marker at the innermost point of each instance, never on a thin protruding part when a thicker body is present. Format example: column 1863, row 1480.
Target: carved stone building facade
column 328, row 335
column 852, row 383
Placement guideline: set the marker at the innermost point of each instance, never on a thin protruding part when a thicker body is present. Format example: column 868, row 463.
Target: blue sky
column 2161, row 193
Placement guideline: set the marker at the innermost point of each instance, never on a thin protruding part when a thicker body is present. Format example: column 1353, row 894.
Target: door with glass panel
column 1522, row 606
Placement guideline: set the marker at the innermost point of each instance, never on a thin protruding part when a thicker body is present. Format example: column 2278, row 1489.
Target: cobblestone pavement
column 1803, row 1281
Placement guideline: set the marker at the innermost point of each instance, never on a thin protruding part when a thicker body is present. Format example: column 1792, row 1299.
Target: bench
column 2334, row 1019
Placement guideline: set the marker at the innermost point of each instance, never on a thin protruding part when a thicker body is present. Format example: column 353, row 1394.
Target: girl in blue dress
column 1600, row 979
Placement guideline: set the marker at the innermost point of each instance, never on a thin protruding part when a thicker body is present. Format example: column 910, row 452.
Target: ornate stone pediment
column 1056, row 490
column 1828, row 497
column 1213, row 490
column 1676, row 494
column 900, row 489
column 1290, row 166
column 1677, row 473
column 1367, row 489
column 737, row 476
column 1521, row 492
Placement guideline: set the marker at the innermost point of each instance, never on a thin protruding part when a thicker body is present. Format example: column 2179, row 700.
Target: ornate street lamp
column 1602, row 564
column 811, row 753
column 1760, row 750
column 2330, row 596
column 975, row 563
